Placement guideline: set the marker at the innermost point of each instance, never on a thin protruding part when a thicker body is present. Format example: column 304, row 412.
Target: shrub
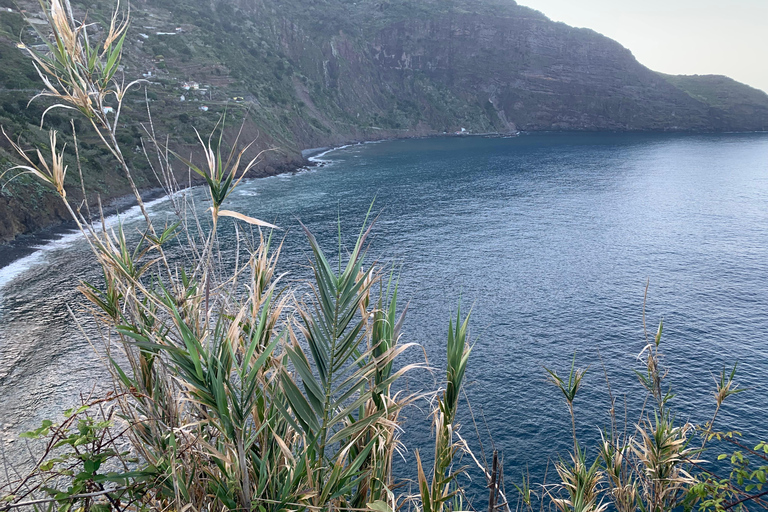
column 234, row 392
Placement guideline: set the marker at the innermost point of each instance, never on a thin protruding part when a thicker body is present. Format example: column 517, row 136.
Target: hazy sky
column 686, row 37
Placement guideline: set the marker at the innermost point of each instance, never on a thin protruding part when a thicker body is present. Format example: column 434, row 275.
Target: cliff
column 315, row 73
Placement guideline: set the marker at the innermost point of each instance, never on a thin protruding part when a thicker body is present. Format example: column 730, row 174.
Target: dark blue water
column 549, row 238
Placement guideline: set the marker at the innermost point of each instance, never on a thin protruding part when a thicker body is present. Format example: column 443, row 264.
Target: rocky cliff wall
column 311, row 73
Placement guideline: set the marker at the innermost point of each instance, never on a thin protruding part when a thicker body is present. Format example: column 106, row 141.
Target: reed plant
column 656, row 467
column 233, row 391
column 236, row 391
column 436, row 494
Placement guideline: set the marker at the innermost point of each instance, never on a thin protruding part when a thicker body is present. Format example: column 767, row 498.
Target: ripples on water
column 549, row 237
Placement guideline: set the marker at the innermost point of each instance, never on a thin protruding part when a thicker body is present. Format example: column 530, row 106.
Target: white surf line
column 317, row 159
column 21, row 265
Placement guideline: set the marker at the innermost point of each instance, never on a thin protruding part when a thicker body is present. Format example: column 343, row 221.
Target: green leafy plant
column 437, row 493
column 84, row 452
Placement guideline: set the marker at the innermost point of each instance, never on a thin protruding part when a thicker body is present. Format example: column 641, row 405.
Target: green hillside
column 315, row 73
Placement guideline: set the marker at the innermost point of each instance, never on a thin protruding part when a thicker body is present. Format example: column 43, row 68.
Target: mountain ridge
column 322, row 72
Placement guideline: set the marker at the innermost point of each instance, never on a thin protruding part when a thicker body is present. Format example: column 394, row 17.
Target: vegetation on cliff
column 309, row 74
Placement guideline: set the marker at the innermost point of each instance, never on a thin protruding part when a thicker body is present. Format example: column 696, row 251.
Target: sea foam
column 13, row 270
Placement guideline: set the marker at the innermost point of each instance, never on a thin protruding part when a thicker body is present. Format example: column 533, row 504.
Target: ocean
column 550, row 239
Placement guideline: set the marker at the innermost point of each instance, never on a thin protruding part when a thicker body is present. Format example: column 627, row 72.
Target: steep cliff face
column 538, row 75
column 308, row 73
column 733, row 105
column 491, row 66
column 487, row 66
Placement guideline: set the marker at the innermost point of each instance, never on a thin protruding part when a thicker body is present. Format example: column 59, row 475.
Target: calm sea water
column 549, row 238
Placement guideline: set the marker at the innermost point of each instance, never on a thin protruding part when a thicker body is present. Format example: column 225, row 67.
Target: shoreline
column 27, row 245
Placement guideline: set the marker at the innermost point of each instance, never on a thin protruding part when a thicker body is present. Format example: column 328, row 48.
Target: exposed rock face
column 523, row 71
column 733, row 105
column 314, row 73
column 16, row 217
column 538, row 75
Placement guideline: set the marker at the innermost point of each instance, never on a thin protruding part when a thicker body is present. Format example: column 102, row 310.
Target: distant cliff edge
column 315, row 73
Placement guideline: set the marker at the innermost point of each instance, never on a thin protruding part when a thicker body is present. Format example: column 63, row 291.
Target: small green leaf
column 379, row 506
